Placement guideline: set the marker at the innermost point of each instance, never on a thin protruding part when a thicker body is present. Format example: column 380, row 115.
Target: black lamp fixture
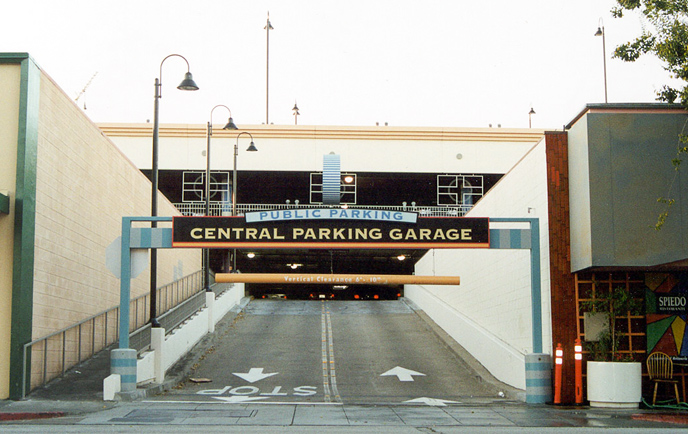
column 187, row 84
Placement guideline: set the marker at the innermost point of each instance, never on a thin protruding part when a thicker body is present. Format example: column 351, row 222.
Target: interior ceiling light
column 348, row 179
column 294, row 266
column 401, row 257
column 251, row 255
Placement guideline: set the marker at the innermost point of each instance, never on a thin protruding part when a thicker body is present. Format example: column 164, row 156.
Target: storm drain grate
column 166, row 416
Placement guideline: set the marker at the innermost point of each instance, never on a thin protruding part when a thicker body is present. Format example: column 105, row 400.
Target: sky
column 415, row 63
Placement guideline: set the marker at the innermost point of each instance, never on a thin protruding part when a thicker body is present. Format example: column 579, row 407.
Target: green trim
column 13, row 57
column 24, row 220
column 4, row 204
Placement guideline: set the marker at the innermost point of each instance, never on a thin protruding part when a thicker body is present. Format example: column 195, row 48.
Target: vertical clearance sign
column 326, row 228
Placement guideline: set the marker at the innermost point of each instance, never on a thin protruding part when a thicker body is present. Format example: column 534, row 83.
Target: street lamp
column 296, row 113
column 600, row 32
column 267, row 28
column 251, row 148
column 230, row 126
column 186, row 84
column 530, row 114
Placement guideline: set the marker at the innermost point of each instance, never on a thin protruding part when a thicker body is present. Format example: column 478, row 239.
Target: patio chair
column 661, row 370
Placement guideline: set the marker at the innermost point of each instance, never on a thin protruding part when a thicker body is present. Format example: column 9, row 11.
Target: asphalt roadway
column 317, row 366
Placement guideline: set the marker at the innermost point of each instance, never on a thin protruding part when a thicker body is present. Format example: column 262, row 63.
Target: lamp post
column 230, row 126
column 251, row 148
column 186, row 84
column 600, row 32
column 267, row 28
column 296, row 113
column 530, row 113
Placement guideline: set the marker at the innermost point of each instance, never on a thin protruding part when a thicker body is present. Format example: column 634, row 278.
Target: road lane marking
column 402, row 374
column 328, row 362
column 254, row 374
column 323, row 348
column 431, row 401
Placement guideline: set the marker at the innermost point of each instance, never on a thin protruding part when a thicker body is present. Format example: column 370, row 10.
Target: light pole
column 267, row 28
column 251, row 148
column 530, row 113
column 230, row 126
column 600, row 32
column 296, row 113
column 186, row 84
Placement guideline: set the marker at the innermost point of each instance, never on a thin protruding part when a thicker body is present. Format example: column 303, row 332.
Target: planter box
column 614, row 384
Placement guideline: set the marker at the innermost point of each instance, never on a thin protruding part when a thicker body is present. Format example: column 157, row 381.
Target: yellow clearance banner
column 236, row 232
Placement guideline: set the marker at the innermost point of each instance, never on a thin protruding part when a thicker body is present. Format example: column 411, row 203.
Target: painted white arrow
column 239, row 398
column 254, row 374
column 432, row 401
column 402, row 373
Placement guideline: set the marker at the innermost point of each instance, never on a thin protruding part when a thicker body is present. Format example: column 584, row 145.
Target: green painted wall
column 628, row 155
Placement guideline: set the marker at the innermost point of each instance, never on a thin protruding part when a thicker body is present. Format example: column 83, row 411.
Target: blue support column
column 125, row 283
column 136, row 238
column 525, row 239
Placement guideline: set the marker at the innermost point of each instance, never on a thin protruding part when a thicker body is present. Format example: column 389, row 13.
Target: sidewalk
column 508, row 414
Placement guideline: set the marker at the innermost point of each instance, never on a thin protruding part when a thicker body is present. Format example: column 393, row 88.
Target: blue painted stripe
column 123, row 363
column 510, row 238
column 539, row 382
column 146, row 238
column 538, row 367
column 127, row 378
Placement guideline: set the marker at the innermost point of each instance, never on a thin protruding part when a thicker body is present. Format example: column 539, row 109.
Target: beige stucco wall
column 85, row 185
column 9, row 107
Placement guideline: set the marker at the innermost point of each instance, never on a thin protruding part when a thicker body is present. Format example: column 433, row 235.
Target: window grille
column 454, row 190
column 193, row 187
column 347, row 190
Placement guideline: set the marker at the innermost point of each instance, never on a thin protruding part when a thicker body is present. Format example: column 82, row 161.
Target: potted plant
column 614, row 378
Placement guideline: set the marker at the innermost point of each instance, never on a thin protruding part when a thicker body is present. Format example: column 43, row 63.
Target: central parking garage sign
column 313, row 229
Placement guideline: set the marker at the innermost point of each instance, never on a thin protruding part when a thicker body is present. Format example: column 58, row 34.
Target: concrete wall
column 620, row 159
column 84, row 187
column 489, row 314
column 301, row 148
column 9, row 107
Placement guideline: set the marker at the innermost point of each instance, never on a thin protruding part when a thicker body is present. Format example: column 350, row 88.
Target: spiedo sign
column 315, row 230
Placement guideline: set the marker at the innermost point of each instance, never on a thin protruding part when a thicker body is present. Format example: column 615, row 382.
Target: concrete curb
column 31, row 415
column 675, row 418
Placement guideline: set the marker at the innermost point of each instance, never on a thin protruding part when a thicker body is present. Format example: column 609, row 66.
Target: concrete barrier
column 123, row 363
column 538, row 378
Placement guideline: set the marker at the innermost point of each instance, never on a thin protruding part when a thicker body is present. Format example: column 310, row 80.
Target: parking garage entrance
column 271, row 249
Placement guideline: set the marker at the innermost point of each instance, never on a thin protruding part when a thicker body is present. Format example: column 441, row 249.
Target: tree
column 665, row 36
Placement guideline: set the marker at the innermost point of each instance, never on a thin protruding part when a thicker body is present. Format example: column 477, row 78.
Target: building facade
column 67, row 188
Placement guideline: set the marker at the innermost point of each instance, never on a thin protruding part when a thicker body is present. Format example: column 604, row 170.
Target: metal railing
column 54, row 354
column 223, row 209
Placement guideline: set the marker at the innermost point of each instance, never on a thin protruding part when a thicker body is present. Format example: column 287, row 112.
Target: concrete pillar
column 123, row 363
column 157, row 345
column 209, row 304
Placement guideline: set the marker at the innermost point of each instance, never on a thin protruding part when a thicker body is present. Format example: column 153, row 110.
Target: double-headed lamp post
column 251, row 148
column 186, row 84
column 230, row 126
